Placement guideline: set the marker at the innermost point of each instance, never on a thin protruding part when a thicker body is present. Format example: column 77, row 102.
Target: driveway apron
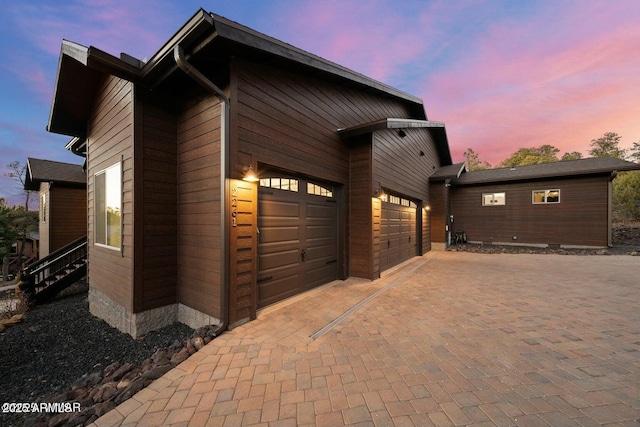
column 450, row 338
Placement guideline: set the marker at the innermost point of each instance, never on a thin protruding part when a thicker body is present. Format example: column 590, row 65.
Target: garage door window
column 287, row 184
column 319, row 190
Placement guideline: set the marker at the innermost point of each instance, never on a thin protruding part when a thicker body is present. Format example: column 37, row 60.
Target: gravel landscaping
column 61, row 341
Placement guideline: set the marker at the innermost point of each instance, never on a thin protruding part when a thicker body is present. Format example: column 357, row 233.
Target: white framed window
column 108, row 207
column 541, row 197
column 494, row 199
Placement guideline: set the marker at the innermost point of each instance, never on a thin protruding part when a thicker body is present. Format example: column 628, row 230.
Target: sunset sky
column 500, row 74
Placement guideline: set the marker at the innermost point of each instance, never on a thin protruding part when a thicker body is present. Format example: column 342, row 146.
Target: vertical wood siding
column 156, row 270
column 199, row 207
column 583, row 206
column 110, row 139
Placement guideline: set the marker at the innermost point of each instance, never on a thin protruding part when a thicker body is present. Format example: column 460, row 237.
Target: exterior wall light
column 250, row 175
column 380, row 194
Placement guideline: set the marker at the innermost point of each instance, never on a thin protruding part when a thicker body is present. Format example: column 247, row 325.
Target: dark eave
column 437, row 130
column 81, row 68
column 448, row 172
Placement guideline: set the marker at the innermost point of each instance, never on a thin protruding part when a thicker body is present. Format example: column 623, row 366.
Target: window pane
column 499, row 199
column 108, row 202
column 113, row 201
column 553, row 196
column 538, row 197
column 100, row 209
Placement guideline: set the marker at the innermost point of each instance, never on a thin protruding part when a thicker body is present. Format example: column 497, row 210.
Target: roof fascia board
column 389, row 123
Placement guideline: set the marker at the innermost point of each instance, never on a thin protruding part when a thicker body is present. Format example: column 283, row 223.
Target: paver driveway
column 451, row 338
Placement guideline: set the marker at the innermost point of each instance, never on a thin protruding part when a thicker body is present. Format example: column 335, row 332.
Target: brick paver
column 450, row 338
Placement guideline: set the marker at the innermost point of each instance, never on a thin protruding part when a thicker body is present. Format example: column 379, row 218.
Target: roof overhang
column 80, row 68
column 437, row 130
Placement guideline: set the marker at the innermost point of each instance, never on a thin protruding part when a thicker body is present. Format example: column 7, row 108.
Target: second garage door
column 398, row 232
column 297, row 247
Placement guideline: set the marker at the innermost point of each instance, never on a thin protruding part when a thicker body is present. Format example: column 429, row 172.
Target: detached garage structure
column 232, row 170
column 560, row 204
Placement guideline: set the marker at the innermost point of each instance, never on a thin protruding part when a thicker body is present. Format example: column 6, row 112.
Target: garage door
column 398, row 232
column 298, row 231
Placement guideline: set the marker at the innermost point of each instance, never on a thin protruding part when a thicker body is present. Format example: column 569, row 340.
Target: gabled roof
column 567, row 168
column 448, row 172
column 39, row 170
column 204, row 35
column 437, row 130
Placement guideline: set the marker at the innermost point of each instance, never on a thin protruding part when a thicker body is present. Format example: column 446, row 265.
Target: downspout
column 202, row 80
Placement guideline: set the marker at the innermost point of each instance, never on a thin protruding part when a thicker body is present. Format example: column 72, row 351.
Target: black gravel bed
column 58, row 343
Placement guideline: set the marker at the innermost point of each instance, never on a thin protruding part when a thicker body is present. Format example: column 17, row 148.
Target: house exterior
column 179, row 226
column 62, row 190
column 561, row 204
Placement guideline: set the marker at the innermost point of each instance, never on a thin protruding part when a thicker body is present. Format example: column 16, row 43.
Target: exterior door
column 297, row 240
column 398, row 232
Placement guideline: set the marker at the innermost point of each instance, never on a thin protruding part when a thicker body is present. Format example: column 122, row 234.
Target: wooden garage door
column 398, row 232
column 297, row 246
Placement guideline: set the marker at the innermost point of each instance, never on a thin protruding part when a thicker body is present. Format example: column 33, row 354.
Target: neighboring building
column 62, row 191
column 560, row 204
column 175, row 233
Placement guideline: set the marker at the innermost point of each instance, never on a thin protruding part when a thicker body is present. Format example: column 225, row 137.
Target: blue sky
column 500, row 74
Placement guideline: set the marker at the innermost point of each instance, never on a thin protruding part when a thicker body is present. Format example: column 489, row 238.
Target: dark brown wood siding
column 156, row 208
column 110, row 141
column 360, row 211
column 199, row 206
column 243, row 251
column 67, row 215
column 398, row 165
column 438, row 212
column 402, row 163
column 290, row 121
column 581, row 217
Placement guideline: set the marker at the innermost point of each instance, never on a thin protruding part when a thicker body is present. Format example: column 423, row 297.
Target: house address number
column 234, row 206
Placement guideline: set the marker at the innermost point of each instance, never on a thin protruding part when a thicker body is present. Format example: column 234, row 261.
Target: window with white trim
column 108, row 207
column 540, row 197
column 494, row 199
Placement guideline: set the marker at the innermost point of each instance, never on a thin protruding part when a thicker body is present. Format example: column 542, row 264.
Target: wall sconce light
column 250, row 175
column 427, row 208
column 380, row 194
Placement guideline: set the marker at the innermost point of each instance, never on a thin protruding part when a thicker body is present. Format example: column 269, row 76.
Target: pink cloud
column 374, row 37
column 554, row 77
